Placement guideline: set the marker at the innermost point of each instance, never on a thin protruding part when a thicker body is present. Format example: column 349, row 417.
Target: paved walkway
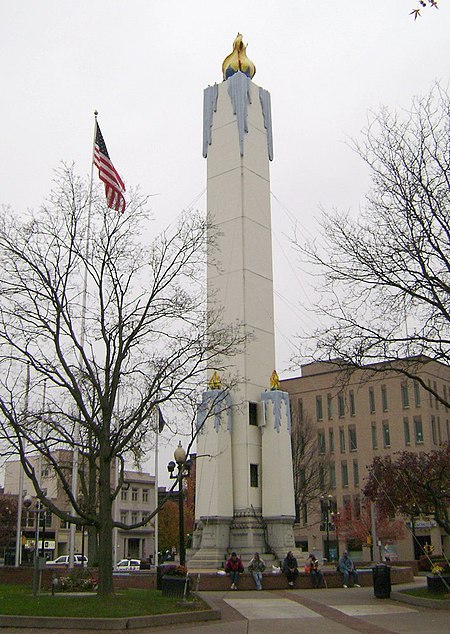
column 332, row 611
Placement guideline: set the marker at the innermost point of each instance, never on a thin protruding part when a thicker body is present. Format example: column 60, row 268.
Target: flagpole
column 76, row 430
column 18, row 557
column 155, row 521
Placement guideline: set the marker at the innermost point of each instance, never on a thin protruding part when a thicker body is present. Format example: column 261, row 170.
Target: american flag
column 114, row 185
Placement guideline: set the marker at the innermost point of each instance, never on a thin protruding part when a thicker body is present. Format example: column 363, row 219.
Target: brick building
column 357, row 416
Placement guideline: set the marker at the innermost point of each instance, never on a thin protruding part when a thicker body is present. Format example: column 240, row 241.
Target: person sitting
column 347, row 567
column 257, row 567
column 290, row 568
column 312, row 568
column 234, row 568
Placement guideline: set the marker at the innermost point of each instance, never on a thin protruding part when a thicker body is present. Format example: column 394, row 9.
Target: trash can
column 382, row 581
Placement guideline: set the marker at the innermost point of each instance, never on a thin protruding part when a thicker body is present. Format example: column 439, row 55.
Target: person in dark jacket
column 234, row 568
column 312, row 568
column 290, row 568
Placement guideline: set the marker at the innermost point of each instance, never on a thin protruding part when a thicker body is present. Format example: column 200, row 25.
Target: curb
column 434, row 604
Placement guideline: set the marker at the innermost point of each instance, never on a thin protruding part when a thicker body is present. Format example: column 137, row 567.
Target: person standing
column 347, row 567
column 234, row 567
column 290, row 568
column 312, row 567
column 257, row 567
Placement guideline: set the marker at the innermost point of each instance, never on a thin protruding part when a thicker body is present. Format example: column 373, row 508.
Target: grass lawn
column 19, row 600
column 425, row 594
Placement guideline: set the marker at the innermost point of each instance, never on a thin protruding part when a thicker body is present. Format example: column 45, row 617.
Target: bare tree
column 311, row 468
column 423, row 4
column 141, row 333
column 386, row 292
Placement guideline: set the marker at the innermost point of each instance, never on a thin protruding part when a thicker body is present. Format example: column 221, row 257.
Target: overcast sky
column 144, row 64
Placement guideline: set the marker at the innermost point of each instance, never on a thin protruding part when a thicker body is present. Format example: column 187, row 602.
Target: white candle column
column 278, row 505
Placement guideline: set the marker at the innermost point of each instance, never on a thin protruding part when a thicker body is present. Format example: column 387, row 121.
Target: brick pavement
column 332, row 611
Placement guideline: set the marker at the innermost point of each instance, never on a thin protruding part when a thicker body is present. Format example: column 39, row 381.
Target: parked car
column 125, row 565
column 63, row 560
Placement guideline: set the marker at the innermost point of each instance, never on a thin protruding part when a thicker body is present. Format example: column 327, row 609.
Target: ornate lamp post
column 335, row 517
column 183, row 469
column 326, row 502
column 38, row 561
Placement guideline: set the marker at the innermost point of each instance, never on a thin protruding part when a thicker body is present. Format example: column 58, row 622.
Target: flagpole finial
column 95, row 113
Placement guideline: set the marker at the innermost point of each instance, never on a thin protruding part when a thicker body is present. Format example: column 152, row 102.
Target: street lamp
column 327, row 505
column 37, row 562
column 335, row 517
column 183, row 469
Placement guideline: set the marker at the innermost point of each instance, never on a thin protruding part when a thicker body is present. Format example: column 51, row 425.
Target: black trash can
column 382, row 581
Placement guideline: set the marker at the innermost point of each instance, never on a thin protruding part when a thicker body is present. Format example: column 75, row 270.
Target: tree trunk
column 105, row 527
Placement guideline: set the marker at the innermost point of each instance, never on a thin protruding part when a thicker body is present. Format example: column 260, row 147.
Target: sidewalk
column 332, row 611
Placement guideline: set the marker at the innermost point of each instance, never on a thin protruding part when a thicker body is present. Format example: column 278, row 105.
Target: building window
column 134, row 517
column 436, row 400
column 344, row 474
column 341, row 406
column 406, row 431
column 123, row 517
column 321, row 477
column 252, row 414
column 123, row 494
column 371, row 400
column 374, row 436
column 331, row 440
column 444, row 389
column 355, row 473
column 321, row 441
column 405, row 395
column 386, row 434
column 351, row 397
column 305, row 514
column 352, row 444
column 300, row 410
column 329, row 407
column 254, row 475
column 418, row 430
column 145, row 495
column 430, row 396
column 319, row 410
column 439, row 430
column 433, row 430
column 134, row 495
column 342, row 439
column 417, row 393
column 384, row 398
column 332, row 475
column 357, row 507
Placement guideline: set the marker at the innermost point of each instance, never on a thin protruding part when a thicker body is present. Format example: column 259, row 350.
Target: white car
column 125, row 565
column 63, row 560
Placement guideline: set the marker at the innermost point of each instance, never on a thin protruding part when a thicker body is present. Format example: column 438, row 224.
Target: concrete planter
column 173, row 586
column 436, row 583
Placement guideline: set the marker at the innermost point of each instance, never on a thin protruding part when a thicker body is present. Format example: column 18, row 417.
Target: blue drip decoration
column 214, row 402
column 277, row 397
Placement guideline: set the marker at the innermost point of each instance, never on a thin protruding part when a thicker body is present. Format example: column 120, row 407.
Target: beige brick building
column 359, row 416
column 137, row 497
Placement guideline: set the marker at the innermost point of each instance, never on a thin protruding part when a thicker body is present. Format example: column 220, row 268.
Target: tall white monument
column 244, row 487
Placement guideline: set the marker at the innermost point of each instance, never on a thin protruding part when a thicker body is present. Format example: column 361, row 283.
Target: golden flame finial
column 238, row 60
column 274, row 381
column 214, row 382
